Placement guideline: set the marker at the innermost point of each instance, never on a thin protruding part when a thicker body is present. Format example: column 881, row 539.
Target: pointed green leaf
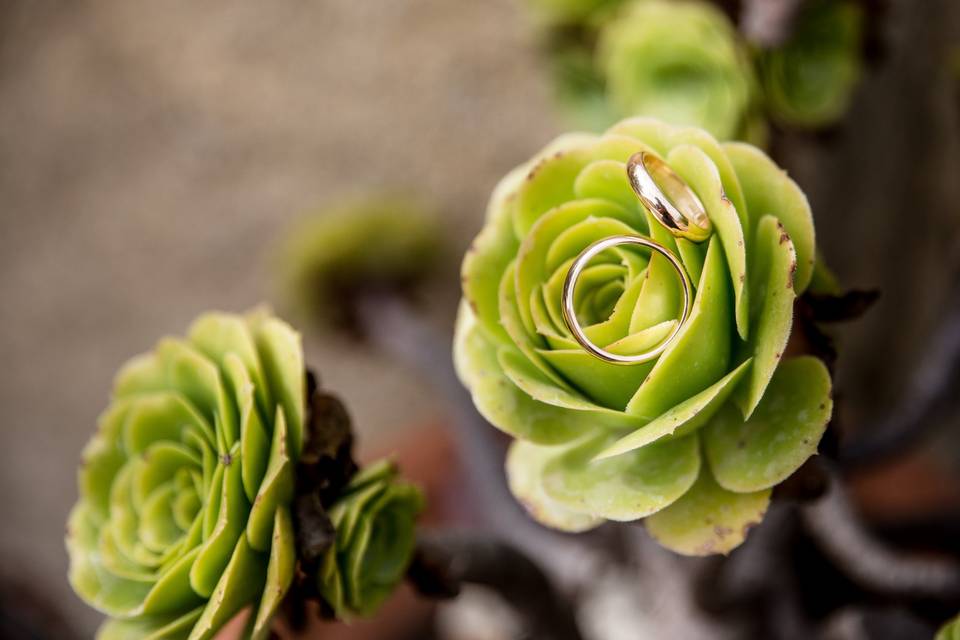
column 240, row 584
column 683, row 419
column 276, row 489
column 700, row 354
column 769, row 191
column 279, row 573
column 701, row 174
column 281, row 356
column 771, row 318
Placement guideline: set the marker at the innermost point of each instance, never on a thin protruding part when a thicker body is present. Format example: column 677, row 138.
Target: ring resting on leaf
column 649, row 177
column 570, row 283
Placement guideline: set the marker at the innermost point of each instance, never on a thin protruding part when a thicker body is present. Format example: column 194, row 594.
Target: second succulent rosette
column 694, row 441
column 682, row 62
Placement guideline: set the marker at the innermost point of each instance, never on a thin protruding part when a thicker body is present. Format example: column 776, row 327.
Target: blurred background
column 151, row 155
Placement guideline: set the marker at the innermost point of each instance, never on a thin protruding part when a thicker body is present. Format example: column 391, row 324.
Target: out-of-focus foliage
column 326, row 259
column 695, row 441
column 809, row 80
column 681, row 62
column 684, row 62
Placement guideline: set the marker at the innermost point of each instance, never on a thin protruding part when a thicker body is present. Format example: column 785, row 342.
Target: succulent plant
column 374, row 518
column 183, row 517
column 188, row 487
column 682, row 62
column 809, row 80
column 328, row 258
column 695, row 440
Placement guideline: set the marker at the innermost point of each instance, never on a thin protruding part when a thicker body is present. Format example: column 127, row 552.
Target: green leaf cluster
column 809, row 80
column 694, row 441
column 185, row 489
column 374, row 518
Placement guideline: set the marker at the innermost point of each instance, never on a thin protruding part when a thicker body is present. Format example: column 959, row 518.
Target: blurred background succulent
column 808, row 81
column 681, row 61
column 685, row 62
column 328, row 259
column 694, row 440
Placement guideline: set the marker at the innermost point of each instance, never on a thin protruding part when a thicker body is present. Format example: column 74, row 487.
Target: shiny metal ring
column 570, row 283
column 668, row 197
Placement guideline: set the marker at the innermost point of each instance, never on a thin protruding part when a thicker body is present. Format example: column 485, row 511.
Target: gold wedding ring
column 668, row 197
column 570, row 283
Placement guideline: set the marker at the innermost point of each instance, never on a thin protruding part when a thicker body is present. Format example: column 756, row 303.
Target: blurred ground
column 151, row 152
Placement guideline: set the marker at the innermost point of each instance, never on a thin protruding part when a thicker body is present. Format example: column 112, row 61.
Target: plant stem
column 833, row 524
column 444, row 561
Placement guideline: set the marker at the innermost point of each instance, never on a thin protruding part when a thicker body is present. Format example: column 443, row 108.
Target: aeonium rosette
column 694, row 440
column 187, row 490
column 183, row 517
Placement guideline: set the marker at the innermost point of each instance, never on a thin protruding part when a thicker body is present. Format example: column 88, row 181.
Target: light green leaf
column 499, row 400
column 276, row 489
column 525, row 462
column 700, row 354
column 694, row 166
column 240, row 584
column 683, row 419
column 781, row 434
column 626, row 487
column 769, row 191
column 170, row 627
column 281, row 356
column 772, row 294
column 279, row 573
column 708, row 519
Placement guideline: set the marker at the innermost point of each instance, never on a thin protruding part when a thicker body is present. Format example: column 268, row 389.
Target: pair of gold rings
column 674, row 205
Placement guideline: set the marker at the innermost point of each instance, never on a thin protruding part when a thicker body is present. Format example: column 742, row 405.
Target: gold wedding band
column 668, row 197
column 570, row 283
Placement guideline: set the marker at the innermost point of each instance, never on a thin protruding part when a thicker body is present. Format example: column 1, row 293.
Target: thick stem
column 833, row 524
column 445, row 561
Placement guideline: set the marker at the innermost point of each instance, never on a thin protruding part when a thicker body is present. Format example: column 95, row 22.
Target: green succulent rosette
column 681, row 62
column 810, row 79
column 185, row 489
column 378, row 241
column 374, row 518
column 695, row 440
